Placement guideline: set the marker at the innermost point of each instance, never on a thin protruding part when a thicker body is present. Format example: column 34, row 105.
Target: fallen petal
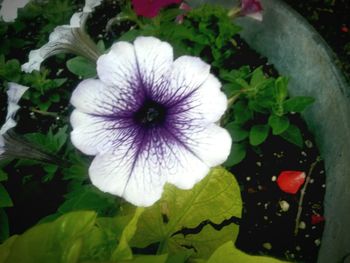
column 291, row 181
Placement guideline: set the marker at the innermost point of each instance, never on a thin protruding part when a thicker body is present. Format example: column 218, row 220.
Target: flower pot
column 299, row 52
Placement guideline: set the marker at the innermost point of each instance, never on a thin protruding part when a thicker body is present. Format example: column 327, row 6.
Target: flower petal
column 97, row 134
column 9, row 9
column 154, row 59
column 93, row 96
column 205, row 105
column 118, row 68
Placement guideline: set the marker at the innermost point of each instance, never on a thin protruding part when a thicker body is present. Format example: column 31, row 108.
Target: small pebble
column 265, row 218
column 308, row 144
column 248, row 178
column 297, row 248
column 302, row 225
column 323, row 186
column 284, row 205
column 317, row 242
column 311, row 181
column 267, row 246
column 273, row 178
column 303, row 153
column 258, row 164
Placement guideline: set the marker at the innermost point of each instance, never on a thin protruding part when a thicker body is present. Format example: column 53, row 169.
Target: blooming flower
column 70, row 38
column 251, row 8
column 9, row 8
column 149, row 120
column 151, row 8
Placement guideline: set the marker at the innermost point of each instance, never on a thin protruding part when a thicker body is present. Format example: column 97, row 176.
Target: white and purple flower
column 149, row 120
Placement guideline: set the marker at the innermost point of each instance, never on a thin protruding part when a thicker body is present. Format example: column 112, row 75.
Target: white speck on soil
column 267, row 246
column 317, row 242
column 273, row 178
column 284, row 205
column 302, row 225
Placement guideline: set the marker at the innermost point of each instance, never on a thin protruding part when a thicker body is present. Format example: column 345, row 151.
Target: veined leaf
column 258, row 134
column 297, row 104
column 123, row 250
column 293, row 135
column 229, row 253
column 216, row 198
column 58, row 241
column 81, row 66
column 278, row 124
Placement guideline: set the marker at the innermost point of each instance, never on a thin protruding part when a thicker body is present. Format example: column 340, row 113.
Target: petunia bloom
column 251, row 8
column 70, row 38
column 9, row 8
column 151, row 8
column 149, row 120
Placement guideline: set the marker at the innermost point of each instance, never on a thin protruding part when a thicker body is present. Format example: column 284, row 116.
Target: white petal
column 206, row 104
column 211, row 144
column 257, row 16
column 94, row 134
column 9, row 123
column 9, row 8
column 118, row 67
column 90, row 5
column 186, row 75
column 154, row 59
column 14, row 93
column 93, row 96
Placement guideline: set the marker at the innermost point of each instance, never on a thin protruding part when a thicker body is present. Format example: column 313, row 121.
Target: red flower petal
column 316, row 219
column 151, row 8
column 291, row 181
column 250, row 7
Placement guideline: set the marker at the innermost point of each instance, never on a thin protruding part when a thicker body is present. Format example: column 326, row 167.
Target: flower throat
column 150, row 114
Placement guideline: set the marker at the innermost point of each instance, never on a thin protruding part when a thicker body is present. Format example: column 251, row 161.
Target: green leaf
column 81, row 66
column 241, row 112
column 257, row 77
column 3, row 175
column 180, row 209
column 297, row 104
column 88, row 197
column 236, row 131
column 229, row 253
column 281, row 90
column 5, row 199
column 258, row 134
column 147, row 259
column 278, row 124
column 54, row 242
column 293, row 135
column 237, row 154
column 4, row 227
column 123, row 251
column 206, row 241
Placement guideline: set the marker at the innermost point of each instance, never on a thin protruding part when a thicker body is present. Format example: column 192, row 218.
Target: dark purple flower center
column 150, row 114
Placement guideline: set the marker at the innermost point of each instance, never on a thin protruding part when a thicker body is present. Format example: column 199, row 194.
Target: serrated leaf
column 180, row 209
column 237, row 154
column 229, row 253
column 5, row 199
column 236, row 131
column 293, row 135
column 258, row 134
column 81, row 66
column 281, row 90
column 278, row 124
column 297, row 104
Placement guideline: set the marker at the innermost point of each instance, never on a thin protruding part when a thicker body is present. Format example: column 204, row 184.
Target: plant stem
column 45, row 113
column 302, row 194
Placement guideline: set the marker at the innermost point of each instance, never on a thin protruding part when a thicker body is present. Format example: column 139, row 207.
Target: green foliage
column 5, row 199
column 261, row 105
column 4, row 226
column 81, row 66
column 229, row 253
column 180, row 209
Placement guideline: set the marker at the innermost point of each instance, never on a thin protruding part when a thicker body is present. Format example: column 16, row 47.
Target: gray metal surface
column 297, row 51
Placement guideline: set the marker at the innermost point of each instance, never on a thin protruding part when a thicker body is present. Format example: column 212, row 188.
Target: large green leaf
column 123, row 250
column 258, row 134
column 216, row 198
column 229, row 253
column 81, row 66
column 58, row 241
